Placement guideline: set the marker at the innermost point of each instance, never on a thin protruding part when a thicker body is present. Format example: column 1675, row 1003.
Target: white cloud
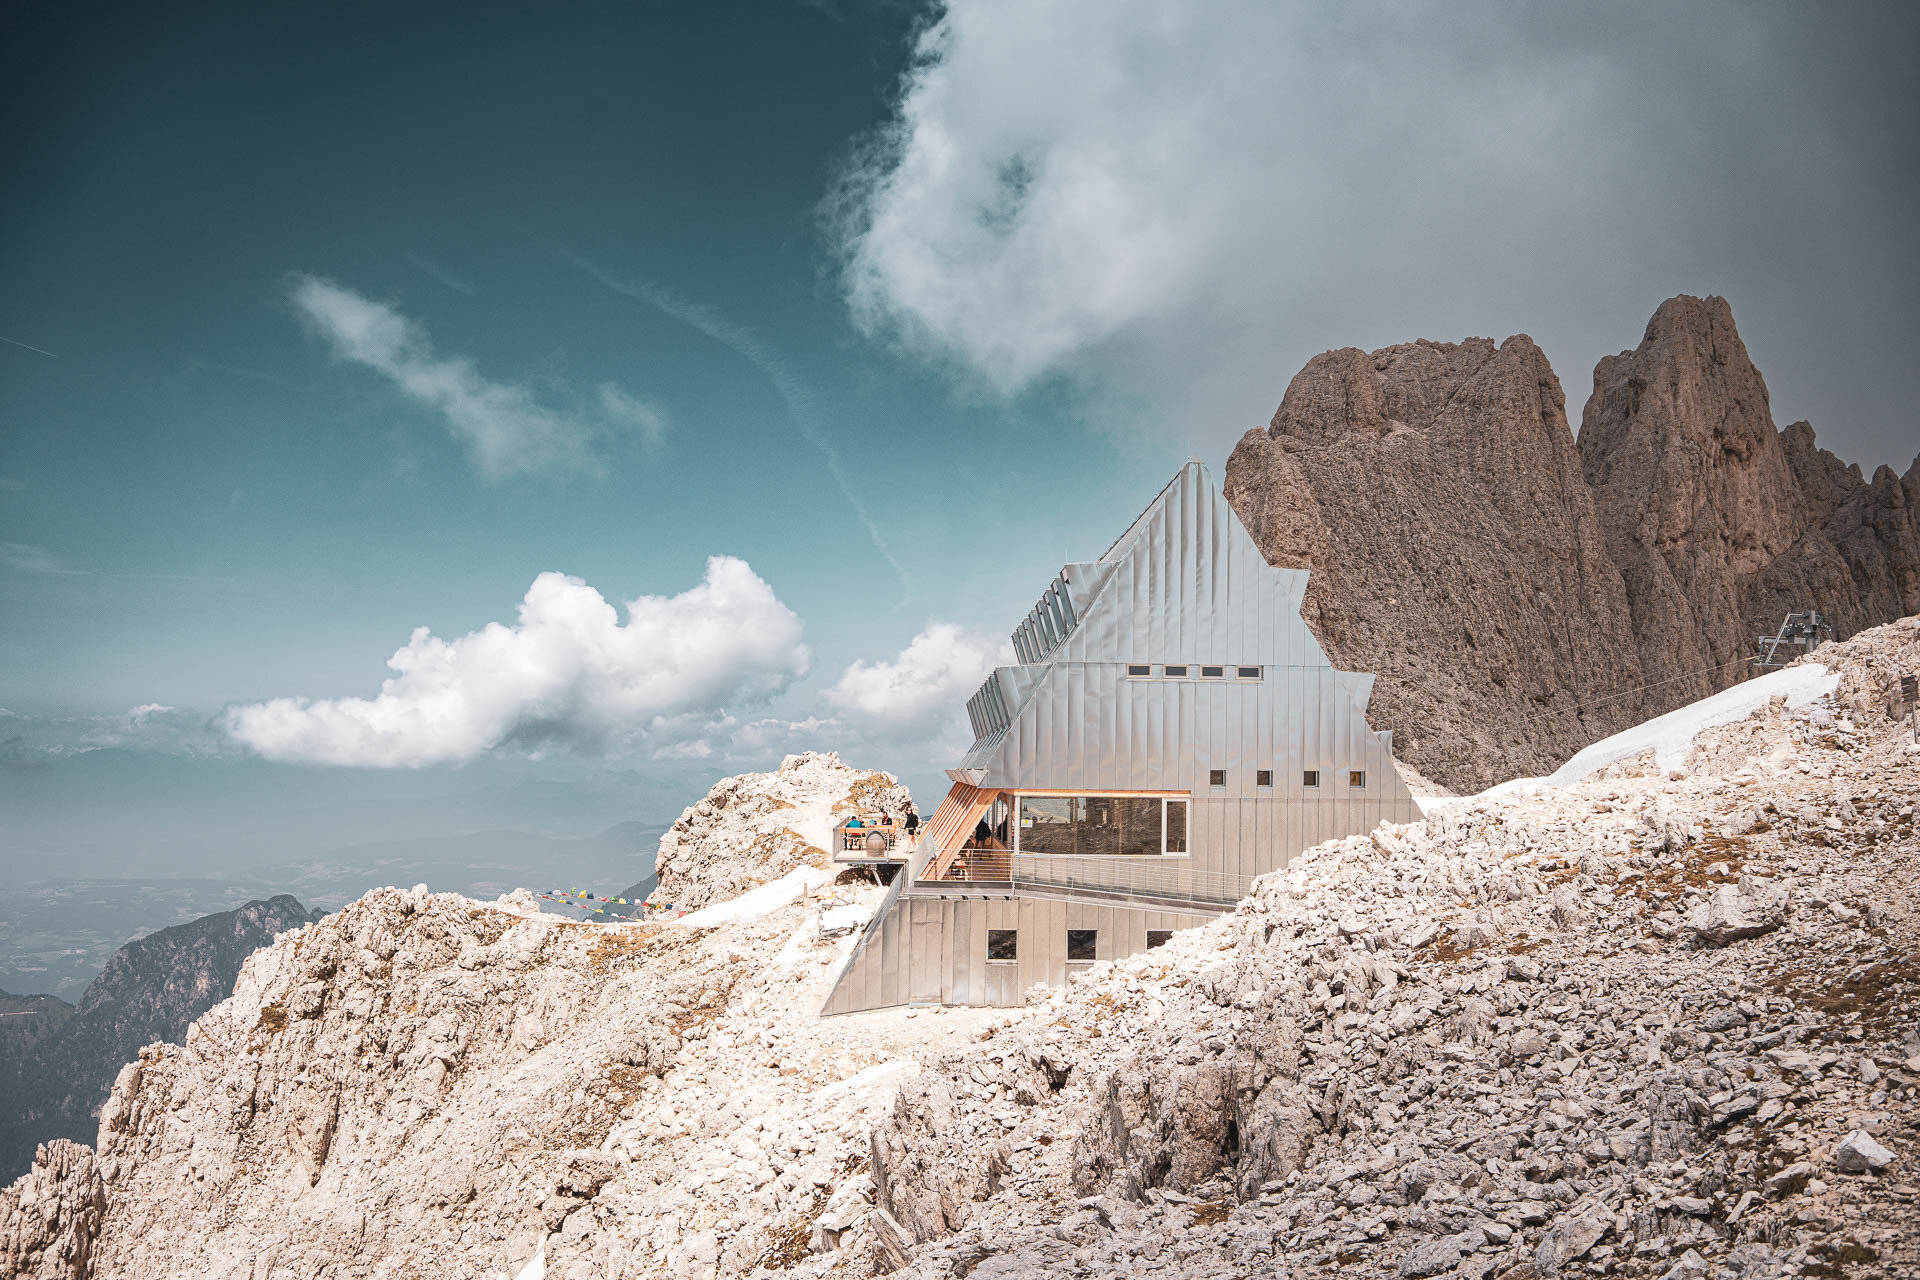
column 1175, row 206
column 505, row 426
column 569, row 671
column 645, row 418
column 922, row 691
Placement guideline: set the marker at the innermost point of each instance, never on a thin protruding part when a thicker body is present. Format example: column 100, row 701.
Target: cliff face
column 1521, row 595
column 1721, row 524
column 149, row 991
column 1434, row 491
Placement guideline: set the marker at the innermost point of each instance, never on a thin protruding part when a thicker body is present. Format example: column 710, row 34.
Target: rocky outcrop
column 149, row 991
column 50, row 1216
column 757, row 827
column 1661, row 1026
column 1521, row 595
column 1500, row 1042
column 1434, row 491
column 1720, row 523
column 422, row 1084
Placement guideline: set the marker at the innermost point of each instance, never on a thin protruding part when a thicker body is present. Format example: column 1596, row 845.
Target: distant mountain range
column 57, row 1061
column 56, row 933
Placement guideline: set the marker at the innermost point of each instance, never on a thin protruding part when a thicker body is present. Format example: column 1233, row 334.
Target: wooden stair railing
column 952, row 823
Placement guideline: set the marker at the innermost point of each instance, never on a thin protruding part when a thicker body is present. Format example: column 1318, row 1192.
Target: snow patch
column 883, row 1073
column 537, row 1268
column 764, row 900
column 1670, row 736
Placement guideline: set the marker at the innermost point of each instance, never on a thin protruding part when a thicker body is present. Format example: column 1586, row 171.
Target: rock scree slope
column 1660, row 1024
column 1651, row 1024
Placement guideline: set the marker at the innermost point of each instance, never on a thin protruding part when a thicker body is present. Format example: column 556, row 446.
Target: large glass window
column 1048, row 824
column 1140, row 824
column 1102, row 826
column 1099, row 825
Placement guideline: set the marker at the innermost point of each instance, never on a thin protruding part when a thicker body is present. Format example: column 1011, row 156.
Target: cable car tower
column 1799, row 634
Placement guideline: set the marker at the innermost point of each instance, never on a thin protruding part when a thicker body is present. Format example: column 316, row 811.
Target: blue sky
column 341, row 321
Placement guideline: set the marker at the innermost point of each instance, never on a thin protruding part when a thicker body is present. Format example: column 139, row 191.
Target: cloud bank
column 1172, row 207
column 569, row 672
column 506, row 427
column 922, row 691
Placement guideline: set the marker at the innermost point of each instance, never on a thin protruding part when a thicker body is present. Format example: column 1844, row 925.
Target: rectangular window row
column 1192, row 671
column 1309, row 778
column 1003, row 945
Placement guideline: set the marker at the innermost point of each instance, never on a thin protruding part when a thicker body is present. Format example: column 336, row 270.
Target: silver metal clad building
column 1172, row 731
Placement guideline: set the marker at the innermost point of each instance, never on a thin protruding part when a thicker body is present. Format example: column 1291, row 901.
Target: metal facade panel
column 1183, row 584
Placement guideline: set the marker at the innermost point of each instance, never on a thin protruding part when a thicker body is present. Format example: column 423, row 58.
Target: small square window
column 1216, row 777
column 1081, row 943
column 1263, row 777
column 1212, row 673
column 1003, row 944
column 1248, row 673
column 1357, row 779
column 1139, row 669
column 1310, row 778
column 1176, row 672
column 1158, row 938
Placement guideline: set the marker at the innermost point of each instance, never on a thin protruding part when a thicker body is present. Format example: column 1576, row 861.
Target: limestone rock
column 757, row 827
column 1435, row 493
column 1720, row 524
column 50, row 1217
column 1733, row 912
column 1859, row 1153
column 1519, row 594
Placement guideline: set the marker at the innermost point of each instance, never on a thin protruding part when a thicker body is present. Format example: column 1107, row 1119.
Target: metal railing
column 1170, row 879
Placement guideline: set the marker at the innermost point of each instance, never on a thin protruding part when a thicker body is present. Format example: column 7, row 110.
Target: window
column 1216, row 777
column 1140, row 825
column 1248, row 673
column 1177, row 827
column 1263, row 777
column 1158, row 938
column 1081, row 943
column 1096, row 826
column 1176, row 672
column 1357, row 779
column 1212, row 673
column 1003, row 944
column 1048, row 824
column 1139, row 669
column 1310, row 778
